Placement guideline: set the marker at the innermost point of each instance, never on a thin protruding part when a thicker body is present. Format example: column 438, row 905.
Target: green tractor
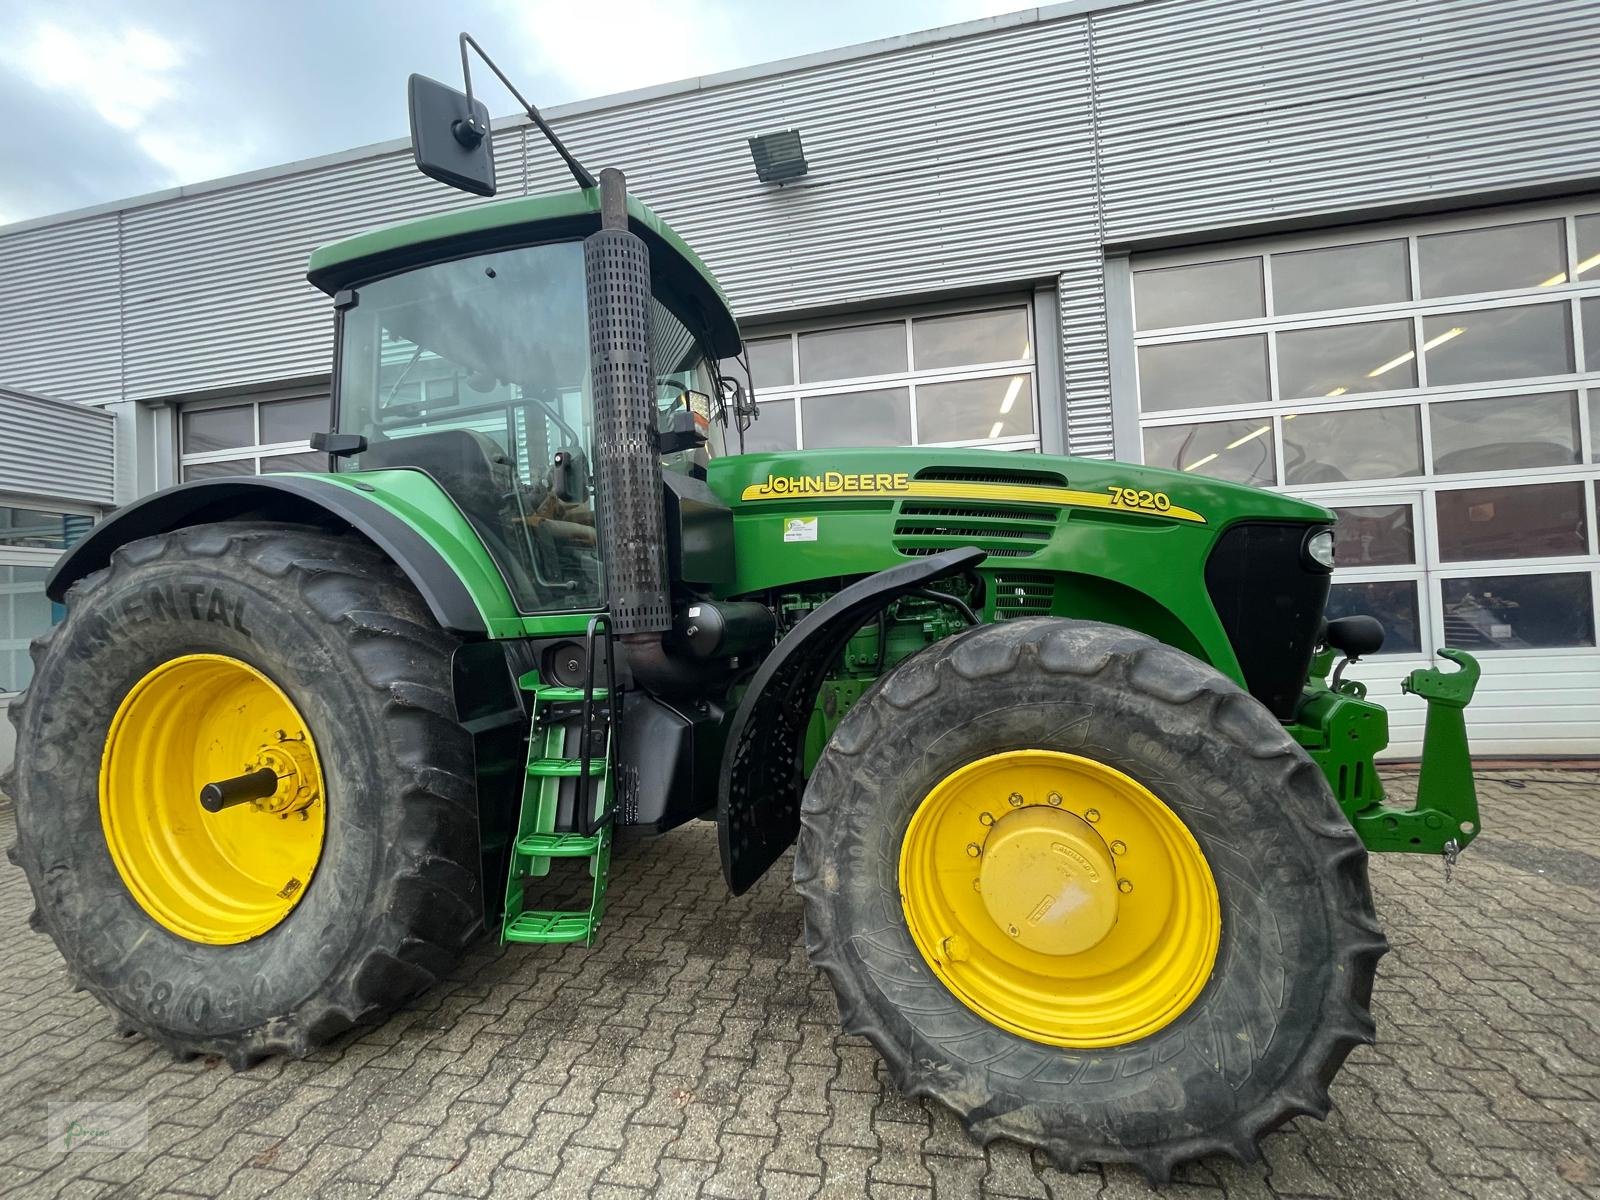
column 1082, row 804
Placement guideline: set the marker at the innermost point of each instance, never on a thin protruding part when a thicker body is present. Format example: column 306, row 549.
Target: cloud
column 56, row 156
column 123, row 74
column 103, row 99
column 119, row 91
column 646, row 42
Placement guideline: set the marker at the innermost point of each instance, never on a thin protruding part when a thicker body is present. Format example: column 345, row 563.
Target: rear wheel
column 1085, row 891
column 300, row 673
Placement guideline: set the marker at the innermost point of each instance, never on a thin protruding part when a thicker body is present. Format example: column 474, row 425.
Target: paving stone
column 695, row 1053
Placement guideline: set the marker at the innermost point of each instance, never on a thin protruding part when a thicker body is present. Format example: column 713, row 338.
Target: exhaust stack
column 632, row 520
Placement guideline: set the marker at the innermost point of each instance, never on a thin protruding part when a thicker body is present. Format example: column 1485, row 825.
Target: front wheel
column 1082, row 889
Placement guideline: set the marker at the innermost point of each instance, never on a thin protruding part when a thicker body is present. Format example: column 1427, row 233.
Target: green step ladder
column 557, row 711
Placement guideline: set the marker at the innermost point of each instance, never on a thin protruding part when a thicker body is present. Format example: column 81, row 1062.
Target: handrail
column 591, row 824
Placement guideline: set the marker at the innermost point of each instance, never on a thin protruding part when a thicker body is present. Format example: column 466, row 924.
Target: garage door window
column 957, row 376
column 31, row 540
column 248, row 437
column 1437, row 382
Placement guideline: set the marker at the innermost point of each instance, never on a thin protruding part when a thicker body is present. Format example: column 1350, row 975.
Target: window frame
column 912, row 378
column 257, row 450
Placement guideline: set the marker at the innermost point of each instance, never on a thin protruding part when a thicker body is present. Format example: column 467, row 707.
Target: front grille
column 1023, row 594
column 1009, row 531
column 1270, row 599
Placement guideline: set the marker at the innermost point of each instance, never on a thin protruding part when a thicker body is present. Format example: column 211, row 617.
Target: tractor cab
column 463, row 351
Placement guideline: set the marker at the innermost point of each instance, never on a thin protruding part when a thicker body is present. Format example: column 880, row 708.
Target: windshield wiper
column 389, row 399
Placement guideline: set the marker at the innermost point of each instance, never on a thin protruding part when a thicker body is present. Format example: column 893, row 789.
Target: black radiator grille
column 1270, row 598
column 1023, row 594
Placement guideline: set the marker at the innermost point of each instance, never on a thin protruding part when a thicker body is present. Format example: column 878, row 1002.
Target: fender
column 758, row 797
column 281, row 497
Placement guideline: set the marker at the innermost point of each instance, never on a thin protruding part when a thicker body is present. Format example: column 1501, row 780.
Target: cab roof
column 677, row 271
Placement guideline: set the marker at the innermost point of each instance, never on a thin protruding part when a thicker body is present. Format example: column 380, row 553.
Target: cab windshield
column 476, row 371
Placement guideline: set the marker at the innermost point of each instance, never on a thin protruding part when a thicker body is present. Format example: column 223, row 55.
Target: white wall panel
column 53, row 449
column 59, row 298
column 1533, row 703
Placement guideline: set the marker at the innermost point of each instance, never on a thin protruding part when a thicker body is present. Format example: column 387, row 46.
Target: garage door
column 1438, row 383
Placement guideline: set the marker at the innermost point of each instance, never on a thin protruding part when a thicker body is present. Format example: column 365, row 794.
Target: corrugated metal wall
column 1214, row 114
column 60, row 309
column 1004, row 157
column 56, row 450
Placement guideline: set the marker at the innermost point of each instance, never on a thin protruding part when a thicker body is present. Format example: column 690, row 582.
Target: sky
column 105, row 99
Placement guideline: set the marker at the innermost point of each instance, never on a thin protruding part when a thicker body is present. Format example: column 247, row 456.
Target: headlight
column 1319, row 548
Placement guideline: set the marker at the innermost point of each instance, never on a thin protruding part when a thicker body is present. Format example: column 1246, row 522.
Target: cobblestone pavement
column 695, row 1053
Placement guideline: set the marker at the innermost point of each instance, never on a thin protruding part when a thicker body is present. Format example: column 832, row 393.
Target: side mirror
column 450, row 136
column 338, row 445
column 1355, row 636
column 735, row 397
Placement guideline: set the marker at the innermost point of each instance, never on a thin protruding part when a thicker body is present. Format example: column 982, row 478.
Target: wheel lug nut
column 1054, row 799
column 1124, row 886
column 1119, row 847
column 1016, row 799
column 1092, row 815
column 1012, row 930
column 986, row 818
column 973, row 849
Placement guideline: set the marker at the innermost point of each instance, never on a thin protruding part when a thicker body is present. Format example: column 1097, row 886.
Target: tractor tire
column 327, row 625
column 1271, row 1017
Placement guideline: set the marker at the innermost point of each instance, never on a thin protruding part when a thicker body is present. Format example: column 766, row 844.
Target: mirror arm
column 585, row 180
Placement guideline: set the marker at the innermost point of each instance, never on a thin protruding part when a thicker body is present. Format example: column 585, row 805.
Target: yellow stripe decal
column 837, row 485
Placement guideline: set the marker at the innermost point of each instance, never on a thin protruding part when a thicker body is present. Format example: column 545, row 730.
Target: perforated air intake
column 632, row 524
column 1004, row 530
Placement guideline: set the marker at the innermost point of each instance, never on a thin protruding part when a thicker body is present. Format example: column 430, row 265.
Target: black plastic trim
column 761, row 780
column 206, row 500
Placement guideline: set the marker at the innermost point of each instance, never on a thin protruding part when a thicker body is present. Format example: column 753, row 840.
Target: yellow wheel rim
column 1059, row 898
column 222, row 877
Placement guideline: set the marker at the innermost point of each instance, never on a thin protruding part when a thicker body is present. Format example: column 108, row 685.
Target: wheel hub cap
column 213, row 877
column 1059, row 898
column 1048, row 881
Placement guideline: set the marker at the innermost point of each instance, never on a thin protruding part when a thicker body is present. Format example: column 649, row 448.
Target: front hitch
column 1445, row 817
column 1343, row 731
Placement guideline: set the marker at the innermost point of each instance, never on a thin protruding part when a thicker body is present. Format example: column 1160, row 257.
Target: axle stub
column 241, row 789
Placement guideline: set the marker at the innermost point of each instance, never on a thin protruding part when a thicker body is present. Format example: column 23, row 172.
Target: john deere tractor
column 1081, row 801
